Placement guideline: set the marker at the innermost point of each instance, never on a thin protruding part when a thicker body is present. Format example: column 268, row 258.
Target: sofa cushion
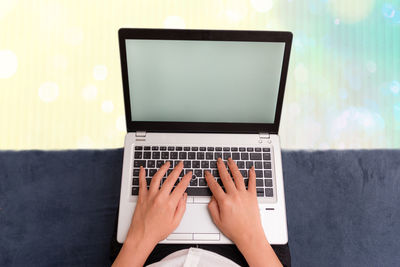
column 58, row 208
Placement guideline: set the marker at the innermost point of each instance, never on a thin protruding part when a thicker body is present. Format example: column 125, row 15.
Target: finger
column 252, row 180
column 181, row 187
column 214, row 186
column 155, row 181
column 171, row 179
column 180, row 210
column 142, row 182
column 225, row 177
column 214, row 211
column 237, row 176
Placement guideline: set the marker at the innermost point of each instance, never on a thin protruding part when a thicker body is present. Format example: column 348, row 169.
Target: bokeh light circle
column 107, row 106
column 48, row 91
column 89, row 92
column 8, row 64
column 100, row 72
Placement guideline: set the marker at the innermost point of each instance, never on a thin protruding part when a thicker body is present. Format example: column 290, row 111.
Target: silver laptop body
column 196, row 95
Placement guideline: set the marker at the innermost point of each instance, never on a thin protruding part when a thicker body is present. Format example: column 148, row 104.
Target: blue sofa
column 58, row 208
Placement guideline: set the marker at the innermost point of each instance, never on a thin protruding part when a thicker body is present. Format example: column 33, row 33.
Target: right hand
column 235, row 212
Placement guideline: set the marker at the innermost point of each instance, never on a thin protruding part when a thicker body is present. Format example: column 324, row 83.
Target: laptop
column 195, row 96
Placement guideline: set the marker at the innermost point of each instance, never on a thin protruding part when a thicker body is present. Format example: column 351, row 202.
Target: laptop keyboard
column 199, row 159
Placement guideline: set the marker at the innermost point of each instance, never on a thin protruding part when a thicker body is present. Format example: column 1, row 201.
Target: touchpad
column 197, row 219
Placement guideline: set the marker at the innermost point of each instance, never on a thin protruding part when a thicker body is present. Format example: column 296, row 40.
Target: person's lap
column 229, row 251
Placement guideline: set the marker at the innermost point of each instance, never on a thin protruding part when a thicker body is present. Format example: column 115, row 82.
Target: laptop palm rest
column 196, row 224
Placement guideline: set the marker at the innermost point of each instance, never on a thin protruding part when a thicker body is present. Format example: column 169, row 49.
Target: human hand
column 158, row 213
column 235, row 212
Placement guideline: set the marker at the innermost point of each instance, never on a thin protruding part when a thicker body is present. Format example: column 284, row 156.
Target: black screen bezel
column 210, row 35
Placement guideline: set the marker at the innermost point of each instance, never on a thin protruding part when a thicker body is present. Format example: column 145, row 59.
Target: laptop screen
column 203, row 81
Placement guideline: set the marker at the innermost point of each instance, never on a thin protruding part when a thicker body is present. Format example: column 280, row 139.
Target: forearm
column 134, row 253
column 258, row 252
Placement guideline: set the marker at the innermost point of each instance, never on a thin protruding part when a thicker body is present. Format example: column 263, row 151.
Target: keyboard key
column 255, row 156
column 155, row 155
column 198, row 191
column 215, row 173
column 234, row 149
column 138, row 148
column 250, row 149
column 217, row 155
column 169, row 171
column 198, row 173
column 135, row 181
column 148, row 181
column 138, row 163
column 178, row 148
column 249, row 164
column 209, row 155
column 147, row 155
column 269, row 192
column 240, row 164
column 189, row 170
column 171, row 148
column 226, row 156
column 257, row 149
column 266, row 156
column 159, row 163
column 244, row 156
column 266, row 149
column 213, row 164
column 259, row 173
column 165, row 155
column 182, row 155
column 151, row 163
column 187, row 164
column 152, row 172
column 242, row 149
column 267, row 165
column 155, row 148
column 200, row 155
column 191, row 155
column 259, row 182
column 195, row 164
column 236, row 156
column 136, row 172
column 268, row 182
column 226, row 149
column 218, row 149
column 137, row 155
column 210, row 148
column 182, row 173
column 246, row 182
column 219, row 181
column 174, row 155
column 203, row 148
column 135, row 191
column 163, row 148
column 146, row 148
column 244, row 173
column 205, row 164
column 195, row 148
column 176, row 162
column 258, row 165
column 193, row 182
column 268, row 174
column 260, row 192
column 186, row 148
column 202, row 182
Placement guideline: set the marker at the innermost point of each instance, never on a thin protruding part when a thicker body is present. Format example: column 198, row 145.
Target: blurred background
column 60, row 78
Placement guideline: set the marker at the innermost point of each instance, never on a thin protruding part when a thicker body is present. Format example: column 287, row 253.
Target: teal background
column 204, row 81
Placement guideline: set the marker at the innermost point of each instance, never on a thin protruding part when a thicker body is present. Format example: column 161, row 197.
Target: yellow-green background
column 60, row 81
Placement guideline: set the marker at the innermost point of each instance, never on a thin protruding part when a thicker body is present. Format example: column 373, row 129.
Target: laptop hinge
column 140, row 134
column 264, row 135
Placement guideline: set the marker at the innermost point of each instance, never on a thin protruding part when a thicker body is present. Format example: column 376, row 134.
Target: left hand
column 158, row 211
